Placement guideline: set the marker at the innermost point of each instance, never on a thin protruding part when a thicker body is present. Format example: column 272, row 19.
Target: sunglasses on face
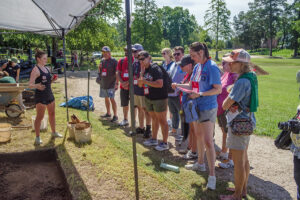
column 163, row 53
column 176, row 54
column 135, row 51
column 142, row 59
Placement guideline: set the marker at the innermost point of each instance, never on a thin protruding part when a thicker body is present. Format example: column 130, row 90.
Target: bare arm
column 33, row 76
column 156, row 84
column 185, row 86
column 228, row 102
column 217, row 89
column 3, row 66
column 18, row 75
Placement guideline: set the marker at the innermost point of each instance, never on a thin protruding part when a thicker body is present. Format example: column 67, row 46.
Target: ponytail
column 198, row 46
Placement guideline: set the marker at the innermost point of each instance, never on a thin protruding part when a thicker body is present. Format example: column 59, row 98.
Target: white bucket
column 71, row 128
column 44, row 123
column 83, row 135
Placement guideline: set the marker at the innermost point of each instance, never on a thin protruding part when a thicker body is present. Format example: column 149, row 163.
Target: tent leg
column 131, row 91
column 88, row 97
column 65, row 72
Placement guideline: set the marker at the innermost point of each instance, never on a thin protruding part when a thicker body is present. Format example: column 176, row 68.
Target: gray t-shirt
column 108, row 73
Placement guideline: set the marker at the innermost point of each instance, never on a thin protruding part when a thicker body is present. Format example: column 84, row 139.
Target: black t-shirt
column 12, row 71
column 136, row 74
column 108, row 73
column 154, row 73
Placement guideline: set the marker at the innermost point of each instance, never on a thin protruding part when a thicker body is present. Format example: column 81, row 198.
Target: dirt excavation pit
column 32, row 175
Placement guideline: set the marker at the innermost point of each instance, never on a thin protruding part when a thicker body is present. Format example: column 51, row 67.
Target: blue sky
column 198, row 7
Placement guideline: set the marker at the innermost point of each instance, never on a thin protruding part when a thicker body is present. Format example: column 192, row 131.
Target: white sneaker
column 223, row 156
column 226, row 165
column 190, row 155
column 150, row 142
column 196, row 167
column 169, row 123
column 211, row 183
column 178, row 138
column 162, row 146
column 38, row 141
column 124, row 123
column 56, row 135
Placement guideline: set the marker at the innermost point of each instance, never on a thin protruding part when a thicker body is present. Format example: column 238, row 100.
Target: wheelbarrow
column 8, row 104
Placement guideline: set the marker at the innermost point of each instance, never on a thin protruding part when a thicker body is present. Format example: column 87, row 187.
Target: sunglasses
column 176, row 54
column 142, row 59
column 163, row 53
column 135, row 51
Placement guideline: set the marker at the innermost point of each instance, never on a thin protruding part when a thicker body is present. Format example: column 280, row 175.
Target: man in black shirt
column 156, row 100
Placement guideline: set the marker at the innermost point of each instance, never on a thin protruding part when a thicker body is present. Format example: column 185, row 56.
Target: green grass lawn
column 278, row 94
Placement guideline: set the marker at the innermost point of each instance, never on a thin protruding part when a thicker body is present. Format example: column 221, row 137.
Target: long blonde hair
column 169, row 52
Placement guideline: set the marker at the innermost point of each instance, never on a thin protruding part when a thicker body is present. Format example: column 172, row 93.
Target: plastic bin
column 83, row 132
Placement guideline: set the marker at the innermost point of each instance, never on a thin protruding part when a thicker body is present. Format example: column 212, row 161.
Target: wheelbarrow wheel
column 13, row 110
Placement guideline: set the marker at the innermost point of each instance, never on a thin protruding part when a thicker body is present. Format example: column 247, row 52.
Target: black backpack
column 283, row 140
column 167, row 80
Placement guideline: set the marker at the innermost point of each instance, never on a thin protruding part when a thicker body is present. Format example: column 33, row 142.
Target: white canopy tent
column 49, row 17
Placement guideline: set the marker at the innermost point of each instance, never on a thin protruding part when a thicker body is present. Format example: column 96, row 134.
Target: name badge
column 146, row 91
column 104, row 72
column 195, row 86
column 126, row 75
column 135, row 82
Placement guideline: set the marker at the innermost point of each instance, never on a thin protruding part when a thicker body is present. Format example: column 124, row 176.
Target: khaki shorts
column 236, row 142
column 208, row 115
column 139, row 101
column 156, row 105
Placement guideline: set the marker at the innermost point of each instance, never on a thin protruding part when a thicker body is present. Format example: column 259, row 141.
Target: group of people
column 195, row 86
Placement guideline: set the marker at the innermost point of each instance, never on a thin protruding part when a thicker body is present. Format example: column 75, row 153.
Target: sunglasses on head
column 176, row 54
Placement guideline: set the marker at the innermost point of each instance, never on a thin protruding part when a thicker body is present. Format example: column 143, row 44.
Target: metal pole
column 65, row 72
column 88, row 95
column 131, row 92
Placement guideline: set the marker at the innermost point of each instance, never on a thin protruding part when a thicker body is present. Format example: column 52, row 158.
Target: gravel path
column 271, row 174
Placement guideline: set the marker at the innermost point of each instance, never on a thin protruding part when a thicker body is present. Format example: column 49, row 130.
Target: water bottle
column 169, row 167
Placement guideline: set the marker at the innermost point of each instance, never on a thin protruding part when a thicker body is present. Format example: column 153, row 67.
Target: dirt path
column 271, row 169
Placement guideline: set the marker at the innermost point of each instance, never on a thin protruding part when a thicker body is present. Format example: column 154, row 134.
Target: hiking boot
column 124, row 123
column 226, row 165
column 190, row 155
column 211, row 183
column 106, row 115
column 150, row 142
column 140, row 130
column 196, row 167
column 114, row 119
column 162, row 146
column 38, row 141
column 56, row 135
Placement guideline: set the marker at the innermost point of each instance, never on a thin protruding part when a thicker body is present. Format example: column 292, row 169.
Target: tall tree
column 296, row 26
column 178, row 25
column 146, row 27
column 217, row 22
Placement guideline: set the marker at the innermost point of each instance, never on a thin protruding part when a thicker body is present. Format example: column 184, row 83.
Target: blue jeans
column 297, row 175
column 174, row 107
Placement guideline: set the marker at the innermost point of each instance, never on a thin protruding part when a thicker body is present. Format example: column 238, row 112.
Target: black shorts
column 44, row 102
column 124, row 94
column 222, row 121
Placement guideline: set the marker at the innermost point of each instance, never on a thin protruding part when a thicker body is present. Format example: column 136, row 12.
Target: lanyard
column 202, row 67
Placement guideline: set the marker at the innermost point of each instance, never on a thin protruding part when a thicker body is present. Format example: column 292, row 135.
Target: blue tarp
column 79, row 103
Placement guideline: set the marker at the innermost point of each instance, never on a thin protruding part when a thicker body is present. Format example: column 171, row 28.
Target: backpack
column 167, row 80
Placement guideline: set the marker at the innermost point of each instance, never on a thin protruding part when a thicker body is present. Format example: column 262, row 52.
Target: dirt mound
column 258, row 70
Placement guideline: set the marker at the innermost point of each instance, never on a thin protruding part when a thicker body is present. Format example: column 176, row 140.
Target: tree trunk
column 271, row 28
column 217, row 39
column 80, row 57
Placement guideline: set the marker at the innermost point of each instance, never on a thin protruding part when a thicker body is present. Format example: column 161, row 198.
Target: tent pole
column 65, row 72
column 88, row 97
column 131, row 92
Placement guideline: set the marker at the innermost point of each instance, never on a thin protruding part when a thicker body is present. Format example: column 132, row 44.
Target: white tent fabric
column 43, row 16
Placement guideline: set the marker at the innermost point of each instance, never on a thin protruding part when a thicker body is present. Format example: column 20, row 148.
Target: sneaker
column 196, row 167
column 150, row 142
column 106, row 115
column 211, row 183
column 226, row 165
column 183, row 151
column 190, row 155
column 114, row 119
column 124, row 123
column 179, row 138
column 38, row 141
column 147, row 133
column 169, row 123
column 222, row 156
column 162, row 146
column 140, row 130
column 56, row 135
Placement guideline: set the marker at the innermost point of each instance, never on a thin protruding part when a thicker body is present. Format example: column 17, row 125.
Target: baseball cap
column 238, row 55
column 132, row 47
column 138, row 47
column 185, row 61
column 106, row 49
column 14, row 59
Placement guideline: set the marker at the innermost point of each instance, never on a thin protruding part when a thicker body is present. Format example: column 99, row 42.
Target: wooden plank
column 12, row 89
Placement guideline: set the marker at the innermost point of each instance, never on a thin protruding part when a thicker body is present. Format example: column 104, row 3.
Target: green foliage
column 178, row 25
column 146, row 27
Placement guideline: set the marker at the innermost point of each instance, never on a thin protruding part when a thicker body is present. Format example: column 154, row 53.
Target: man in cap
column 139, row 97
column 12, row 68
column 123, row 77
column 109, row 82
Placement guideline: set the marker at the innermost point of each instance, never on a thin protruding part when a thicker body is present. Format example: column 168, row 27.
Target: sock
column 148, row 127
